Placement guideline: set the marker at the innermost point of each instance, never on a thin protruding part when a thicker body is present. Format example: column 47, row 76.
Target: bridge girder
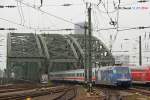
column 101, row 55
column 24, row 53
column 51, row 52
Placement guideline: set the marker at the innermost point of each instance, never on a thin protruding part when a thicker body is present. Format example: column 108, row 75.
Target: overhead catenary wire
column 133, row 2
column 99, row 2
column 119, row 29
column 62, row 5
column 40, row 29
column 95, row 23
column 68, row 29
column 124, row 28
column 52, row 15
column 19, row 12
column 18, row 24
column 107, row 12
column 41, row 3
column 134, row 28
column 117, row 21
column 22, row 14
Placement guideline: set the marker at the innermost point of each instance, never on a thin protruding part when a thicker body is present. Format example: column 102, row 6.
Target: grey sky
column 77, row 13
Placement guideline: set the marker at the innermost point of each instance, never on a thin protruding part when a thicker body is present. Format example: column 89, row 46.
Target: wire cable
column 140, row 27
column 99, row 2
column 22, row 14
column 107, row 12
column 117, row 21
column 19, row 12
column 57, row 17
column 41, row 3
column 18, row 24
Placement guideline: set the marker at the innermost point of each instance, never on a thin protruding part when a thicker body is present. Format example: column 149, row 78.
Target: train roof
column 70, row 71
column 139, row 67
column 110, row 67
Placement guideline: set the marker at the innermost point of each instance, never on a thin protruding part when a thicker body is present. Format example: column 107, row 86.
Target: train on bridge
column 110, row 75
column 123, row 76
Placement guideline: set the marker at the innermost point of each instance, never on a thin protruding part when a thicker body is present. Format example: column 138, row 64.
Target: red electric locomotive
column 140, row 75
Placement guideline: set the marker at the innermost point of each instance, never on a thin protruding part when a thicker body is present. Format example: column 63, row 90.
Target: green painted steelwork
column 30, row 55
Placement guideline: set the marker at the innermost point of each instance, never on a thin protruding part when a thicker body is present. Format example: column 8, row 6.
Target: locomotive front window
column 121, row 71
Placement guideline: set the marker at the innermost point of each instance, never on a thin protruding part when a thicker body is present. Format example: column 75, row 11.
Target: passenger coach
column 109, row 75
column 140, row 74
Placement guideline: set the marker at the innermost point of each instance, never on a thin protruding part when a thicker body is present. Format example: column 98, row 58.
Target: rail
column 141, row 91
column 68, row 94
column 19, row 95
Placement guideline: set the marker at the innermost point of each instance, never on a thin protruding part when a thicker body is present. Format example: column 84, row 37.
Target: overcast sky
column 27, row 17
column 33, row 18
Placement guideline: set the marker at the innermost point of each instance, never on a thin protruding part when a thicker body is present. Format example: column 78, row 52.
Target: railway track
column 112, row 93
column 142, row 87
column 23, row 93
column 140, row 91
column 19, row 87
column 12, row 88
column 67, row 95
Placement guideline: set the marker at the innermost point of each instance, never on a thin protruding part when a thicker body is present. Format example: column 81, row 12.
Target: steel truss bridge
column 31, row 55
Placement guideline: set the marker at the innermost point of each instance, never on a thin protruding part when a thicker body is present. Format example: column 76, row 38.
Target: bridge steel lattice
column 30, row 55
column 24, row 56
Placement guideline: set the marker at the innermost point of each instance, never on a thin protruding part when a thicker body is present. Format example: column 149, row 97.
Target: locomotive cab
column 114, row 75
column 122, row 76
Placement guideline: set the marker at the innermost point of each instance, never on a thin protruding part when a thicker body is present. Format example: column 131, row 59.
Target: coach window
column 69, row 74
column 92, row 73
column 80, row 74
